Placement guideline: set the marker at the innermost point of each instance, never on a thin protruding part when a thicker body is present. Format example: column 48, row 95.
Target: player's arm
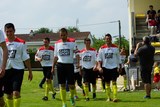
column 26, row 59
column 28, row 65
column 5, row 57
column 55, row 59
column 37, row 57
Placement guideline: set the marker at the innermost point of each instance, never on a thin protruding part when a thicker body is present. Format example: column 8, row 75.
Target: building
column 138, row 27
column 34, row 41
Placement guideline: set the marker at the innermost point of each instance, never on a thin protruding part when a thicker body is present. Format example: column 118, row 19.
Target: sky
column 88, row 15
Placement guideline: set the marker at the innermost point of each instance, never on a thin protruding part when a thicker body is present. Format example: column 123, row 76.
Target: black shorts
column 146, row 74
column 47, row 72
column 110, row 74
column 123, row 72
column 13, row 80
column 89, row 76
column 65, row 73
column 78, row 79
column 1, row 86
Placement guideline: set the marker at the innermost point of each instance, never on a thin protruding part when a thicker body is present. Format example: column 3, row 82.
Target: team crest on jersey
column 64, row 52
column 108, row 55
column 87, row 58
column 46, row 57
column 12, row 53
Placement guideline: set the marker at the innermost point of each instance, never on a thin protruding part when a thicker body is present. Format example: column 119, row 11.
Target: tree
column 43, row 30
column 124, row 42
column 97, row 42
column 73, row 29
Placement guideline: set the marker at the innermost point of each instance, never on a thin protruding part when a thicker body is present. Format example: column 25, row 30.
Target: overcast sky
column 93, row 15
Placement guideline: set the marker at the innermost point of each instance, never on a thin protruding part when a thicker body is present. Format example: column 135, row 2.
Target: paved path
column 99, row 89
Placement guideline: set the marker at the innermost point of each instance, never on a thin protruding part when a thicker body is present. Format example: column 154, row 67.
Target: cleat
column 94, row 95
column 87, row 99
column 72, row 101
column 115, row 100
column 76, row 97
column 109, row 99
column 126, row 90
column 147, row 97
column 64, row 105
column 40, row 86
column 54, row 96
column 45, row 98
column 83, row 93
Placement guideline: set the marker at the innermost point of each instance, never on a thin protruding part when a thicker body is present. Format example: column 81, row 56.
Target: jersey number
column 64, row 52
column 12, row 53
column 87, row 58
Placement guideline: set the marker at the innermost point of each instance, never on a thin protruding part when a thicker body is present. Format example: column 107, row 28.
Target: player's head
column 87, row 41
column 63, row 34
column 151, row 7
column 9, row 29
column 46, row 41
column 108, row 38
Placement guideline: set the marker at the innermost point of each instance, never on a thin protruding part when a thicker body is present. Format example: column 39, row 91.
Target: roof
column 52, row 36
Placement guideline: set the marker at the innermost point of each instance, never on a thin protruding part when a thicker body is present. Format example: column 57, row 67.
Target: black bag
column 134, row 59
column 154, row 39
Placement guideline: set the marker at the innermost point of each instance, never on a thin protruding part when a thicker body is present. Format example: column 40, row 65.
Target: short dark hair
column 132, row 51
column 150, row 5
column 159, row 11
column 109, row 35
column 63, row 30
column 87, row 39
column 146, row 40
column 47, row 39
column 9, row 25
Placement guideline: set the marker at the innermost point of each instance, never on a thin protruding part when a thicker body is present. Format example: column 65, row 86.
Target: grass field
column 32, row 97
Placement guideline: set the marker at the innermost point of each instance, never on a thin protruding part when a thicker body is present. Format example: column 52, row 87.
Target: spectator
column 151, row 16
column 123, row 72
column 156, row 78
column 146, row 51
column 132, row 70
column 158, row 21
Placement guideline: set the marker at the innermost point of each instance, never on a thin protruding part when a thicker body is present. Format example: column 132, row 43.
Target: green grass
column 32, row 97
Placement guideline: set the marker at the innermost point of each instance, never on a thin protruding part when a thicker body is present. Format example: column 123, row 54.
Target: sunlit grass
column 32, row 97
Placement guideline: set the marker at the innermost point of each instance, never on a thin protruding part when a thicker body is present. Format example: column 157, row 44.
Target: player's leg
column 71, row 82
column 61, row 73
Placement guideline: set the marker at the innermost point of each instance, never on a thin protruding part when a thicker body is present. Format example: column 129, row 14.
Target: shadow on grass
column 138, row 101
column 155, row 98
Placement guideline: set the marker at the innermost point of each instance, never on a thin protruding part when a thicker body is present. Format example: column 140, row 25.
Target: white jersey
column 1, row 40
column 17, row 53
column 109, row 56
column 123, row 59
column 65, row 50
column 88, row 58
column 46, row 55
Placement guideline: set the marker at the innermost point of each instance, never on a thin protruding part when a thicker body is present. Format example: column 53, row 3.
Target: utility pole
column 119, row 23
column 77, row 21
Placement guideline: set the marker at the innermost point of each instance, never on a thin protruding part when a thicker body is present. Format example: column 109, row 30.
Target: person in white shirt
column 45, row 56
column 3, row 61
column 88, row 65
column 123, row 72
column 17, row 56
column 108, row 63
column 63, row 57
